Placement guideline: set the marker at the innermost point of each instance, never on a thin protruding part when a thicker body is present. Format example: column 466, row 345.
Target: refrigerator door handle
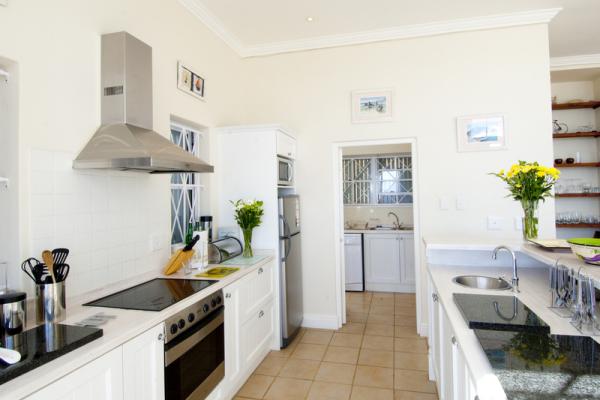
column 286, row 239
column 286, row 228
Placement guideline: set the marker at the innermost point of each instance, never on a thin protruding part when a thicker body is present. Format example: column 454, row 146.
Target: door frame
column 338, row 207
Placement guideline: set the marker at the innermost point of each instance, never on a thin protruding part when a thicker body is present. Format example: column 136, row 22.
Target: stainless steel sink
column 482, row 282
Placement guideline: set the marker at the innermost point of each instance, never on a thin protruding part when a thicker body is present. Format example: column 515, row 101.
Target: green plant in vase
column 529, row 183
column 248, row 215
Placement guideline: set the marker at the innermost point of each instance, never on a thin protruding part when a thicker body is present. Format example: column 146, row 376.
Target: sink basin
column 482, row 282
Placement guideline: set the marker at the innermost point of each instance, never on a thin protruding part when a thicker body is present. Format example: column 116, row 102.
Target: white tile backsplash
column 106, row 219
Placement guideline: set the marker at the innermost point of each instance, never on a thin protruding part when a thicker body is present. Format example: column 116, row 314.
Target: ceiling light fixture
column 309, row 19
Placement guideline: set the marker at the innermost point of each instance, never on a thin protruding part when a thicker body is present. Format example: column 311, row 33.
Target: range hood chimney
column 125, row 141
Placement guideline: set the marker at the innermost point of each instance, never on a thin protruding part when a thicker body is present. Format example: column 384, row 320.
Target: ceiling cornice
column 575, row 62
column 402, row 32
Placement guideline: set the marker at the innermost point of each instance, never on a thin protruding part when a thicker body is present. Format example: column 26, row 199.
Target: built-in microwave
column 285, row 168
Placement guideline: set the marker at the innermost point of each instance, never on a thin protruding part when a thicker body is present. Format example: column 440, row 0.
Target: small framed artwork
column 481, row 132
column 372, row 106
column 190, row 82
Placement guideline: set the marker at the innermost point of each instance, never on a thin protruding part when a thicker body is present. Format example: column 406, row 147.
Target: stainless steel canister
column 13, row 312
column 50, row 302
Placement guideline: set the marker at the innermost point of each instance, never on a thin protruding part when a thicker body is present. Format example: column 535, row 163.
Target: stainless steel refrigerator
column 290, row 266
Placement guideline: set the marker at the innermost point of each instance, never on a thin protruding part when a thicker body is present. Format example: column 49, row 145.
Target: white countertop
column 127, row 325
column 379, row 231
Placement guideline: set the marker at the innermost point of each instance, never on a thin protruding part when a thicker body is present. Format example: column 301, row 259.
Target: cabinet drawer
column 257, row 333
column 256, row 289
column 286, row 145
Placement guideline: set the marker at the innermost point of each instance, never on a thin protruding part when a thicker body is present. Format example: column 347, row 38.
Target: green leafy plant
column 248, row 214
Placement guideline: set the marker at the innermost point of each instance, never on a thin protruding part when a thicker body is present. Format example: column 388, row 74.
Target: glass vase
column 247, row 243
column 530, row 219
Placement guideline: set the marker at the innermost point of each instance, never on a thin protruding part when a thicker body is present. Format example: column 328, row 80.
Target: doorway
column 376, row 203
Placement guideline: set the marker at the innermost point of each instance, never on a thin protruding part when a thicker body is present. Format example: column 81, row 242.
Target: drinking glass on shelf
column 586, row 188
column 558, row 189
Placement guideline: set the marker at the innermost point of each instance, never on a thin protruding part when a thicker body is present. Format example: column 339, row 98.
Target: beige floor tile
column 344, row 355
column 329, row 391
column 406, row 311
column 307, row 351
column 288, row 389
column 413, row 381
column 337, row 373
column 358, row 307
column 381, row 310
column 405, row 320
column 378, row 343
column 346, row 340
column 317, row 337
column 369, row 393
column 383, row 295
column 380, row 319
column 241, row 398
column 413, row 361
column 376, row 358
column 405, row 296
column 378, row 301
column 301, row 369
column 353, row 327
column 402, row 395
column 256, row 386
column 356, row 317
column 405, row 331
column 408, row 345
column 379, row 330
column 374, row 377
column 271, row 365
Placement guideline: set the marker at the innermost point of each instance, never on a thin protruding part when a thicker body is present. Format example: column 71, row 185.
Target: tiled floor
column 377, row 355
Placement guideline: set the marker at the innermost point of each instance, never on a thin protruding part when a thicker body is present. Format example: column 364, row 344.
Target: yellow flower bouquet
column 529, row 183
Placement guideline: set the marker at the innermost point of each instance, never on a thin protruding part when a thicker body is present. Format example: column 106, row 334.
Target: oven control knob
column 219, row 299
column 205, row 308
column 191, row 317
column 213, row 303
column 173, row 329
column 181, row 323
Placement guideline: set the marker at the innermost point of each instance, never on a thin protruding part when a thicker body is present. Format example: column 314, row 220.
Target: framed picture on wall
column 190, row 82
column 481, row 132
column 372, row 106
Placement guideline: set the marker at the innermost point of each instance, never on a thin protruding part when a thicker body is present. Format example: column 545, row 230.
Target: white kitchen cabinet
column 143, row 366
column 101, row 379
column 353, row 260
column 389, row 262
column 256, row 289
column 258, row 335
column 286, row 145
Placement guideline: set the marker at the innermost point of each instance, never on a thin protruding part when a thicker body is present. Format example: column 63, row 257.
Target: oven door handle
column 181, row 348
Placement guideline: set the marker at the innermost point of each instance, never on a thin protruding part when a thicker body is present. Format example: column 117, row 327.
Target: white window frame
column 188, row 182
column 374, row 181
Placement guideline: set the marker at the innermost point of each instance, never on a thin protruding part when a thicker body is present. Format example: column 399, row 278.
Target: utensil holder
column 50, row 302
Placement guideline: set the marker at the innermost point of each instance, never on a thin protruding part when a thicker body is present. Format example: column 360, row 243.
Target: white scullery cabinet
column 390, row 261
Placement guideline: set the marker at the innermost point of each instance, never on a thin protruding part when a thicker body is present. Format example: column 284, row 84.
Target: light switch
column 444, row 203
column 494, row 223
column 518, row 224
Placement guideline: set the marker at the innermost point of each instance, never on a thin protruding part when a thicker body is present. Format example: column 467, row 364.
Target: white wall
column 57, row 47
column 436, row 79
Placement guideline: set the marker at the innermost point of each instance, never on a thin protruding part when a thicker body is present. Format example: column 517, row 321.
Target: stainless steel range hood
column 125, row 141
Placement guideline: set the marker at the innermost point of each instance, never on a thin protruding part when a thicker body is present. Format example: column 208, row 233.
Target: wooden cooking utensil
column 49, row 261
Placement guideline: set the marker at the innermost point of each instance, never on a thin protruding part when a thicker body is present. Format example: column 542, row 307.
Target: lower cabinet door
column 101, row 379
column 232, row 336
column 257, row 335
column 143, row 366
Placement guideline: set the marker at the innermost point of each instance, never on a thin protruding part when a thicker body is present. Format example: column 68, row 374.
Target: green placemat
column 240, row 260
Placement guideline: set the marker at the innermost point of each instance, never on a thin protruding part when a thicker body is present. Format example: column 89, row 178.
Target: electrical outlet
column 156, row 242
column 461, row 203
column 494, row 223
column 444, row 203
column 518, row 224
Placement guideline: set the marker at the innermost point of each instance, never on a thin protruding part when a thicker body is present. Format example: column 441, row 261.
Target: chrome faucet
column 515, row 278
column 397, row 219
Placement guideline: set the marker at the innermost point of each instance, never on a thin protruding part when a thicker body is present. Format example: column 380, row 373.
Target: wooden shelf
column 568, row 135
column 579, row 226
column 577, row 195
column 573, row 106
column 578, row 165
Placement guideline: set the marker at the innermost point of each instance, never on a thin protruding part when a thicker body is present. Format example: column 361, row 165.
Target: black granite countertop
column 43, row 344
column 533, row 365
column 500, row 313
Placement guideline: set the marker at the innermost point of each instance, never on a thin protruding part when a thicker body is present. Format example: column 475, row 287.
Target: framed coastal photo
column 372, row 106
column 483, row 132
column 190, row 82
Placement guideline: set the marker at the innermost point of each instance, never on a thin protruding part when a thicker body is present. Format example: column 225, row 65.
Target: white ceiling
column 264, row 23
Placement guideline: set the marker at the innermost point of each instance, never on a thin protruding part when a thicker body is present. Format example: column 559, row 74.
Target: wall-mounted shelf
column 579, row 165
column 577, row 195
column 570, row 135
column 573, row 106
column 579, row 226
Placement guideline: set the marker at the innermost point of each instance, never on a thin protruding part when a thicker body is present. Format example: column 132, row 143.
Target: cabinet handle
column 453, row 340
column 434, row 296
column 160, row 337
column 261, row 314
column 289, row 154
column 227, row 295
column 260, row 270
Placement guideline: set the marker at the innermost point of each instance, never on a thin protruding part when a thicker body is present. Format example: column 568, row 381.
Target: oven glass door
column 195, row 361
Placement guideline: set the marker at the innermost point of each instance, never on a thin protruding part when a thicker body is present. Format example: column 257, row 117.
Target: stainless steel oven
column 285, row 172
column 195, row 350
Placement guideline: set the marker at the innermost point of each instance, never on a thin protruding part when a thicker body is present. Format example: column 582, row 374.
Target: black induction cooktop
column 501, row 313
column 154, row 295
